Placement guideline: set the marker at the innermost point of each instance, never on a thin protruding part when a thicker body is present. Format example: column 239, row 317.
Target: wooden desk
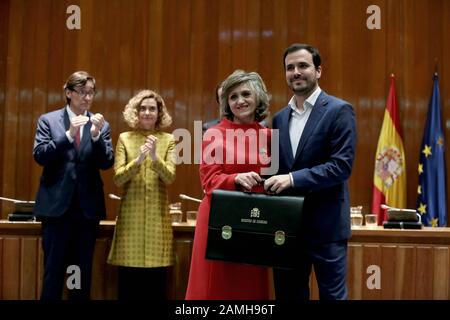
column 413, row 264
column 21, row 261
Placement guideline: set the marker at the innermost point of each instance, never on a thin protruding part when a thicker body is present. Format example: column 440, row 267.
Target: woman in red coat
column 233, row 153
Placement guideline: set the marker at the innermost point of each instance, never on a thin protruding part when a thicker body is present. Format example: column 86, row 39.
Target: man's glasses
column 84, row 94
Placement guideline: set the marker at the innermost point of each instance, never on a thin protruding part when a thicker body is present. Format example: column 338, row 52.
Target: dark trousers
column 330, row 267
column 142, row 283
column 68, row 240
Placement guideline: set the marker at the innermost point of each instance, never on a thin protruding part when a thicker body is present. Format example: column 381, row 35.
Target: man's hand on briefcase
column 277, row 184
column 248, row 180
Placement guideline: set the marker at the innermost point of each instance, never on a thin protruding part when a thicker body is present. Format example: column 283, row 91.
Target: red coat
column 210, row 279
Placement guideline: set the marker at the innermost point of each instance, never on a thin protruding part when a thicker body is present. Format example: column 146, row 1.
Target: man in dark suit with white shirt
column 73, row 145
column 317, row 147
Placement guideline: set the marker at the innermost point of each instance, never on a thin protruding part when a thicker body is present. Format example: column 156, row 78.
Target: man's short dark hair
column 317, row 60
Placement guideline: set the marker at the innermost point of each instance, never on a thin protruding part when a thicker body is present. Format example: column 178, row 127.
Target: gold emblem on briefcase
column 280, row 238
column 254, row 213
column 226, row 232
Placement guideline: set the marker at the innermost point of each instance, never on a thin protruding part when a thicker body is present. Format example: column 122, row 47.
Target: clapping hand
column 76, row 123
column 151, row 144
column 98, row 122
column 148, row 148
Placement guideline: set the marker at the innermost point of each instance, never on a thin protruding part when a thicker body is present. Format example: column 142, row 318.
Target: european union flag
column 431, row 199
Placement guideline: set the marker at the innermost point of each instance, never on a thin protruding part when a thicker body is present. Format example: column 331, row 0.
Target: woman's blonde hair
column 257, row 85
column 131, row 111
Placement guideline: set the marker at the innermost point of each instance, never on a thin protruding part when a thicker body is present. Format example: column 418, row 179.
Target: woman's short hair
column 131, row 111
column 257, row 85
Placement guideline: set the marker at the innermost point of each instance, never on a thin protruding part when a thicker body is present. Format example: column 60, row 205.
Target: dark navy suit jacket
column 321, row 167
column 67, row 169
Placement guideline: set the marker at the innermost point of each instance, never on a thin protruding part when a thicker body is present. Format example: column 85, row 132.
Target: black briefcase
column 254, row 228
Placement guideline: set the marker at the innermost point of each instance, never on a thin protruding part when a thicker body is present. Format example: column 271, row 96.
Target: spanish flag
column 389, row 178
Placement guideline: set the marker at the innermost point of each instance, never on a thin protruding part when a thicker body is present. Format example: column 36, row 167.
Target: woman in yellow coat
column 142, row 245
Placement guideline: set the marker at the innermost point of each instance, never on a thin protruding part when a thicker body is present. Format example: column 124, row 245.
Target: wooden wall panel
column 180, row 85
column 424, row 265
column 24, row 122
column 208, row 66
column 28, row 266
column 388, row 276
column 355, row 271
column 10, row 281
column 405, row 271
column 110, row 94
column 1, row 268
column 19, row 268
column 441, row 274
column 39, row 90
column 40, row 269
column 183, row 49
column 4, row 24
column 371, row 257
column 99, row 266
column 12, row 89
column 178, row 277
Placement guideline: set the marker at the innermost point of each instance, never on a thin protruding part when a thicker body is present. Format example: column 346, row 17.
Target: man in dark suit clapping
column 72, row 144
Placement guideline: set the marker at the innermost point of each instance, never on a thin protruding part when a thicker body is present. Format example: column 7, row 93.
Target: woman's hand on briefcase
column 248, row 180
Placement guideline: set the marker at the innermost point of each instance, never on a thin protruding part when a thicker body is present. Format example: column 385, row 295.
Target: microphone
column 114, row 197
column 16, row 201
column 185, row 197
column 386, row 207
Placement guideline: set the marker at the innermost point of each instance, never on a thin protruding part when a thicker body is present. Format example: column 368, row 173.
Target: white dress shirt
column 299, row 117
column 298, row 120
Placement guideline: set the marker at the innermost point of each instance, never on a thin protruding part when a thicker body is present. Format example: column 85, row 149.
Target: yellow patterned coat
column 143, row 234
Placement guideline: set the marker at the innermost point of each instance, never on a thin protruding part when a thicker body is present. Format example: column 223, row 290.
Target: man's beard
column 302, row 90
